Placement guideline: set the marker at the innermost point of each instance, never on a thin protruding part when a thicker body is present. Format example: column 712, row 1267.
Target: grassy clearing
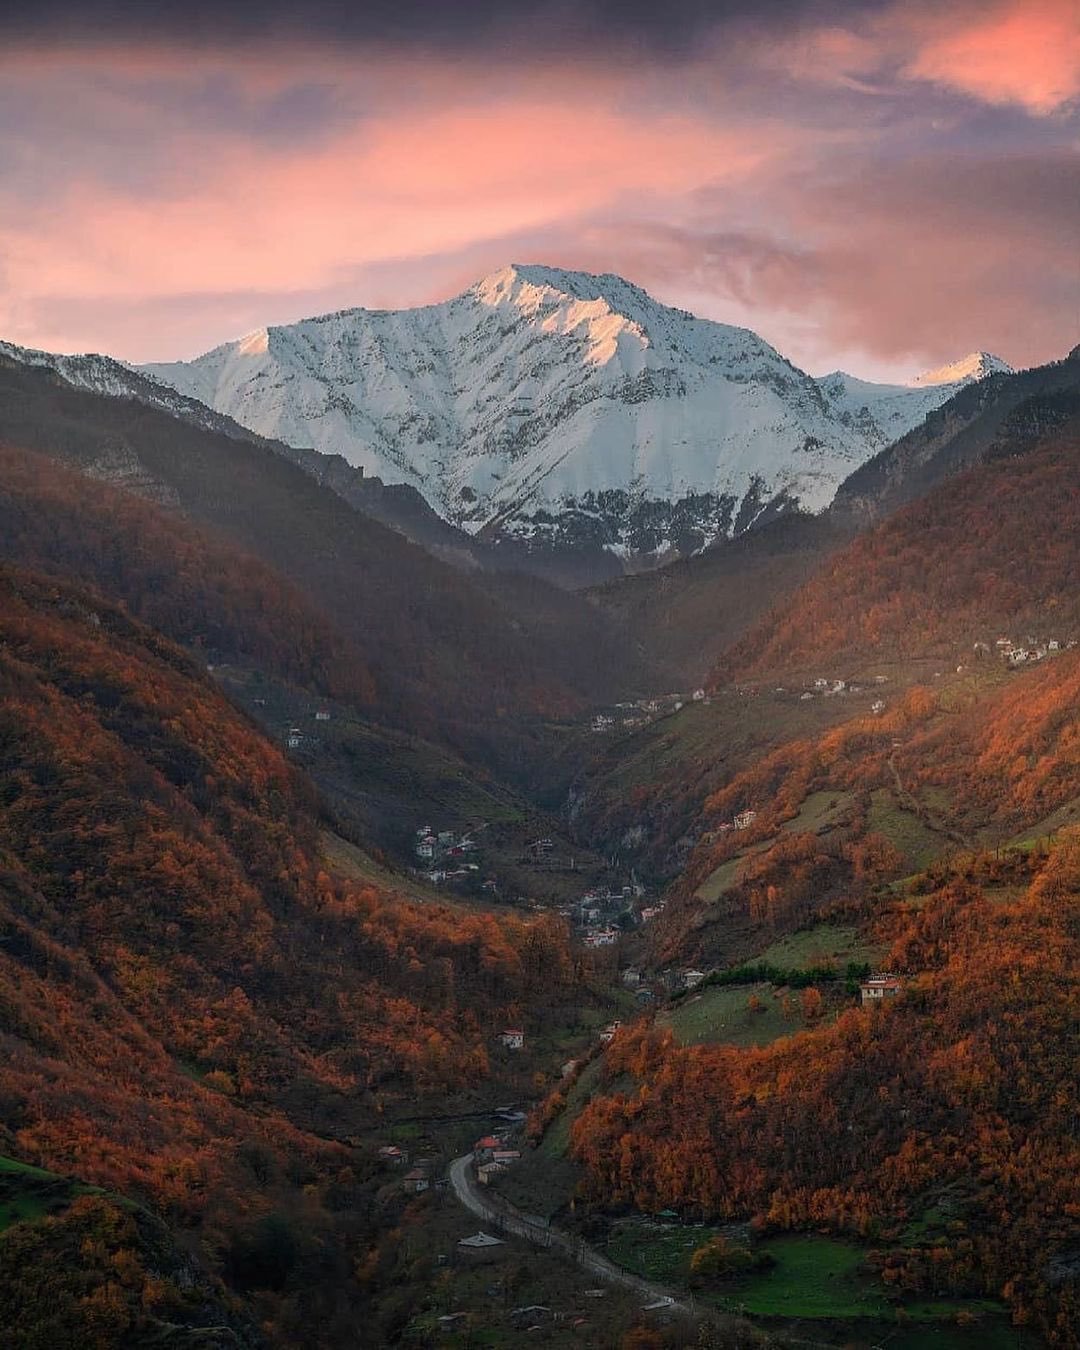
column 556, row 1141
column 346, row 860
column 906, row 832
column 30, row 1193
column 824, row 944
column 722, row 880
column 1065, row 816
column 819, row 812
column 813, row 1277
column 656, row 1251
column 721, row 1015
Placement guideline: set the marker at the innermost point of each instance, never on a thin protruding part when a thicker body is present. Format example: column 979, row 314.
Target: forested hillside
column 991, row 552
column 685, row 615
column 938, row 1130
column 450, row 660
column 187, row 1001
column 1003, row 414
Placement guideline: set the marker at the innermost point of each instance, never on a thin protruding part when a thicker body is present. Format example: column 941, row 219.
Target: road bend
column 499, row 1214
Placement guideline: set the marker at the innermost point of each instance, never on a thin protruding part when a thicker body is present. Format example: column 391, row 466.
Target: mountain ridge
column 561, row 409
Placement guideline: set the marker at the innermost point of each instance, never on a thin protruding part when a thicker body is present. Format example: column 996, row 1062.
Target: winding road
column 502, row 1216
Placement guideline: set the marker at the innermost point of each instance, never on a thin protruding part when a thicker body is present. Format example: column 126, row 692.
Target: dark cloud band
column 672, row 28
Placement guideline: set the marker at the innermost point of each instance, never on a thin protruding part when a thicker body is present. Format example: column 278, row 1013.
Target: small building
column 513, row 1038
column 416, row 1181
column 505, row 1156
column 294, row 738
column 631, row 977
column 480, row 1242
column 608, row 1033
column 877, row 707
column 880, row 987
column 392, row 1155
column 644, row 996
column 487, row 1170
column 569, row 1067
column 446, row 838
column 533, row 1316
column 322, row 715
column 698, row 695
column 692, row 978
column 744, row 820
column 425, row 849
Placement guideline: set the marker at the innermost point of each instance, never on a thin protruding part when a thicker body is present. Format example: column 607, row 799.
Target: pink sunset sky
column 880, row 187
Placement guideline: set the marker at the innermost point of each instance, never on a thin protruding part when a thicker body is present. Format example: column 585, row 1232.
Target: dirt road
column 501, row 1216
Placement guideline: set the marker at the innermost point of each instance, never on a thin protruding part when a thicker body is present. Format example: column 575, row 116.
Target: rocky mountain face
column 550, row 410
column 1001, row 413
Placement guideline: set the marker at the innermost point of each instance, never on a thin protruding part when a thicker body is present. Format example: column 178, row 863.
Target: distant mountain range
column 565, row 410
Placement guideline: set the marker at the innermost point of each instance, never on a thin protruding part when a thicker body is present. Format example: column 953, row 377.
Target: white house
column 513, row 1038
column 880, row 987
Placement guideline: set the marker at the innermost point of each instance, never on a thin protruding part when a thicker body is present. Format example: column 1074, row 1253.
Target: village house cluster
column 603, row 914
column 832, row 687
column 642, row 711
column 494, row 1154
column 446, row 855
column 295, row 737
column 1023, row 653
column 418, row 1178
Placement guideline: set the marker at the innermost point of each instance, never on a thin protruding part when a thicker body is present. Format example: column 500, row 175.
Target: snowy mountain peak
column 601, row 311
column 254, row 344
column 555, row 406
column 974, row 366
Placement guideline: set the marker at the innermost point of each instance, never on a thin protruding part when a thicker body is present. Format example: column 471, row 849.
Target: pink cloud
column 262, row 218
column 1025, row 52
column 1008, row 52
column 818, row 187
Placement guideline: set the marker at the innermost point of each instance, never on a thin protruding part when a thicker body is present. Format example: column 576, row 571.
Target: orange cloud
column 1025, row 52
column 409, row 186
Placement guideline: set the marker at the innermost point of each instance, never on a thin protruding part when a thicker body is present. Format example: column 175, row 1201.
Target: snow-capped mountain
column 882, row 413
column 105, row 375
column 544, row 403
column 974, row 366
column 555, row 409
